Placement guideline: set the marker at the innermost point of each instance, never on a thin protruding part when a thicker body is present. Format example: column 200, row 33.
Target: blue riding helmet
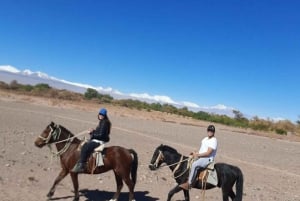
column 103, row 112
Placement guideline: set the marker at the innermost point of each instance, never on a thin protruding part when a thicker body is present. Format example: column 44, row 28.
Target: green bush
column 90, row 93
column 281, row 131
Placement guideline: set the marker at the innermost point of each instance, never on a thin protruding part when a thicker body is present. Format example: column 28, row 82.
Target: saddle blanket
column 99, row 158
column 209, row 175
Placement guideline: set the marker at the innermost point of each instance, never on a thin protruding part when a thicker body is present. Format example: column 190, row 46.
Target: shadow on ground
column 96, row 195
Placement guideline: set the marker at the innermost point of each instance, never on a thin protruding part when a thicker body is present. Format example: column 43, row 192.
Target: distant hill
column 10, row 73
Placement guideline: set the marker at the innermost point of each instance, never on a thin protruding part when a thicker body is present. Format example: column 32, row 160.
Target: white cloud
column 190, row 104
column 9, row 69
column 158, row 98
column 220, row 107
column 38, row 73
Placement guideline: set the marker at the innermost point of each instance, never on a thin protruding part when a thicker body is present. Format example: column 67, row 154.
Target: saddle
column 209, row 175
column 98, row 153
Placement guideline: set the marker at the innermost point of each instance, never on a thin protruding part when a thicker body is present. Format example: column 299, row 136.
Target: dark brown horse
column 123, row 162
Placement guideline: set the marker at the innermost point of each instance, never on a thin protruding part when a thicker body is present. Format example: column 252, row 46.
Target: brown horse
column 123, row 162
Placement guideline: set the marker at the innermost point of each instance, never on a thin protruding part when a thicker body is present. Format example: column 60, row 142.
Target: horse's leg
column 74, row 177
column 225, row 192
column 186, row 195
column 130, row 185
column 231, row 194
column 176, row 189
column 60, row 176
column 119, row 187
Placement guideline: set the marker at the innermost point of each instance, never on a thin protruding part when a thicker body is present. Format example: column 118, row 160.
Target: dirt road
column 271, row 167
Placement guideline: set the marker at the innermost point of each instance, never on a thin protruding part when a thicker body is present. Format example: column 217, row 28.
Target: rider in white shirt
column 205, row 155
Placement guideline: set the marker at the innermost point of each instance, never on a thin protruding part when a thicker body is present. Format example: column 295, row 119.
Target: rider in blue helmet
column 99, row 136
column 103, row 112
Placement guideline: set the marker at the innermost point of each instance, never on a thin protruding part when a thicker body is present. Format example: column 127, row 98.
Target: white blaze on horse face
column 159, row 157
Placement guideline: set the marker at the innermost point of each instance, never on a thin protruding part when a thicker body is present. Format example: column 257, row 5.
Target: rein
column 160, row 157
column 55, row 134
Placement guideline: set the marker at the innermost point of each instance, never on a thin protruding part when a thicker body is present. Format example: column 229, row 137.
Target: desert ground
column 271, row 166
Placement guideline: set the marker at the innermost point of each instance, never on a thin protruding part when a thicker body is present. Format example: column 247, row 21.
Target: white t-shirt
column 209, row 142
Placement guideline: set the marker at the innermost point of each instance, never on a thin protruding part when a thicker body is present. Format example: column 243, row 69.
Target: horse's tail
column 134, row 165
column 239, row 186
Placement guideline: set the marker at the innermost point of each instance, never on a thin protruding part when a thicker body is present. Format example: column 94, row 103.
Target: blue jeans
column 201, row 162
column 87, row 150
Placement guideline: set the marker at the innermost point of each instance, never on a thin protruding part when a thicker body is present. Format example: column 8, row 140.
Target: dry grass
column 88, row 105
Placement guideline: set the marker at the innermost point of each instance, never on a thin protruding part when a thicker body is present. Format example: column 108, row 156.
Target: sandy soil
column 270, row 165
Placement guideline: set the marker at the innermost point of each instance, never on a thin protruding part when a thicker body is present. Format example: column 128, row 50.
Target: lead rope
column 188, row 166
column 66, row 147
column 204, row 182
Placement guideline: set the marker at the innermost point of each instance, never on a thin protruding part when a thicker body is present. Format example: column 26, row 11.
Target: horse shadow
column 98, row 195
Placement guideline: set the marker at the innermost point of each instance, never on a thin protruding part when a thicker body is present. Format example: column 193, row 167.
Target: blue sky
column 243, row 54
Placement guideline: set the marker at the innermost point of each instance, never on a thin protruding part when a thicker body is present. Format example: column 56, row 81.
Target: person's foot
column 79, row 168
column 185, row 186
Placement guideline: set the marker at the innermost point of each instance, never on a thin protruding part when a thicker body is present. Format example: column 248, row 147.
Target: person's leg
column 86, row 151
column 193, row 168
column 197, row 167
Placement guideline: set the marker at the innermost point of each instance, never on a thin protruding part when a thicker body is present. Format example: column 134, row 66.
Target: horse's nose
column 152, row 167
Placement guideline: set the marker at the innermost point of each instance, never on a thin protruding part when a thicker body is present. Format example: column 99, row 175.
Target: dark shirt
column 102, row 131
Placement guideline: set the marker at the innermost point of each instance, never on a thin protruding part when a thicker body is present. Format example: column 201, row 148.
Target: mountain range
column 9, row 73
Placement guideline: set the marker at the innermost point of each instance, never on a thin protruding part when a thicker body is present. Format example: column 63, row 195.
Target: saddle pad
column 209, row 176
column 99, row 158
column 212, row 177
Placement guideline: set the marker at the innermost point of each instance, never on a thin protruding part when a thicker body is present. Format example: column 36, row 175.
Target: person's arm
column 101, row 131
column 205, row 154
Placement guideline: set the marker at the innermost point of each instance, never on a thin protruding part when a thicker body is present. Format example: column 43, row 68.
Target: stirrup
column 79, row 168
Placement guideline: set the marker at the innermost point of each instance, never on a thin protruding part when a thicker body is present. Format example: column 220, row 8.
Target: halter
column 55, row 135
column 160, row 157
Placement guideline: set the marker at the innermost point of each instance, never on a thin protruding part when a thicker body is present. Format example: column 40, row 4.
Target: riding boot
column 195, row 175
column 79, row 167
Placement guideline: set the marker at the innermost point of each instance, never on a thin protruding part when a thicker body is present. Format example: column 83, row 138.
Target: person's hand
column 90, row 130
column 195, row 154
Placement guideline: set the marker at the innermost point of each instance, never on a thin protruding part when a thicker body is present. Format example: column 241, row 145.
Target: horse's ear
column 52, row 124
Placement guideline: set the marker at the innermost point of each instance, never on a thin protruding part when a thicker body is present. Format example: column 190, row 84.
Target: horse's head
column 50, row 134
column 162, row 154
column 157, row 158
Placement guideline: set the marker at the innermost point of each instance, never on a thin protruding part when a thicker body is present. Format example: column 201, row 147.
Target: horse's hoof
column 50, row 194
column 76, row 199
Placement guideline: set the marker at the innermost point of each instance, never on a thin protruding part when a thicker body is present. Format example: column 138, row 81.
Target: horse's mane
column 168, row 148
column 66, row 130
column 61, row 127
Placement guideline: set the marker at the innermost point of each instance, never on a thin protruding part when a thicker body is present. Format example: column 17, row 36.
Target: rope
column 70, row 138
column 188, row 167
column 53, row 133
column 204, row 182
column 174, row 163
column 177, row 166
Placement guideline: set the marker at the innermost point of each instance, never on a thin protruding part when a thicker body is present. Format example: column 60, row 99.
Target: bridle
column 160, row 158
column 55, row 135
